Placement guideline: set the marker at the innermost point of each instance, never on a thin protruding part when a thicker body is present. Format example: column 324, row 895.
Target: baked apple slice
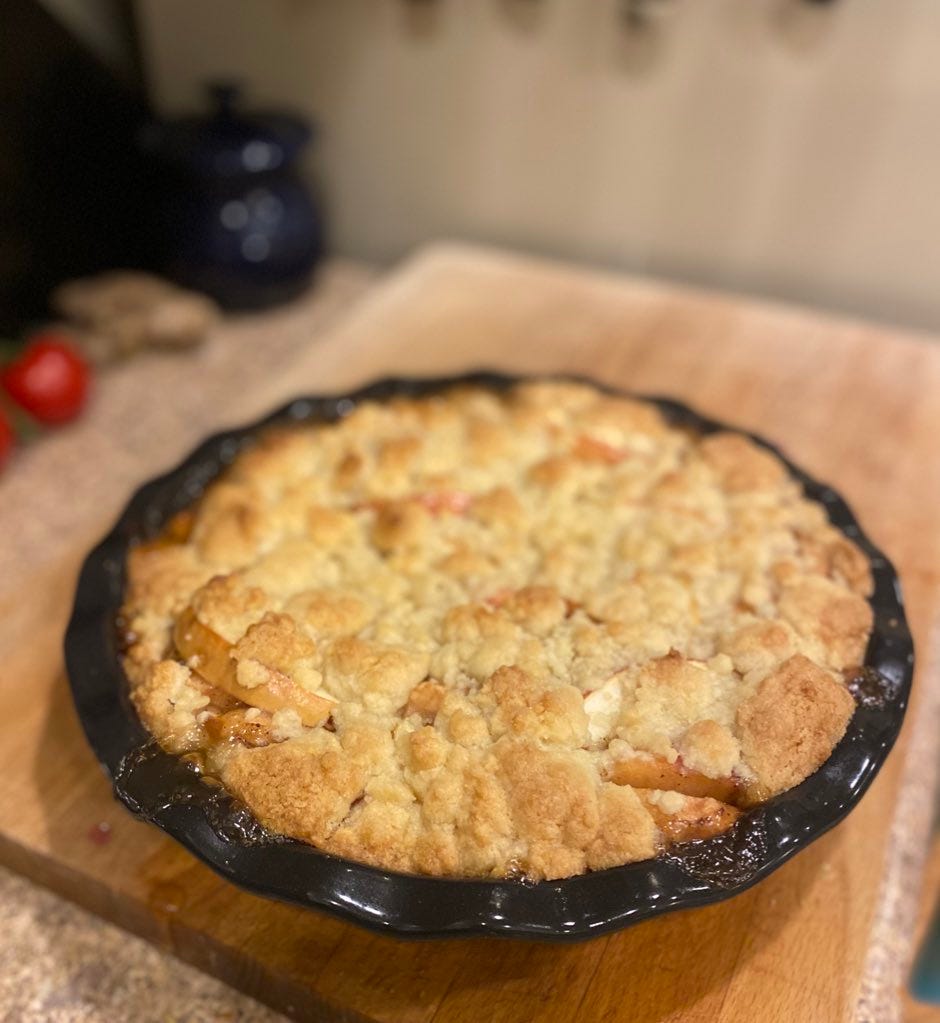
column 214, row 662
column 658, row 773
column 688, row 818
column 238, row 725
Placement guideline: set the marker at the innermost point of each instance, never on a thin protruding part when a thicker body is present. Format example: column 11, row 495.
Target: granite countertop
column 58, row 963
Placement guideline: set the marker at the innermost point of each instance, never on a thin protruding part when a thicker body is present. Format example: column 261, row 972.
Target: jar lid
column 228, row 142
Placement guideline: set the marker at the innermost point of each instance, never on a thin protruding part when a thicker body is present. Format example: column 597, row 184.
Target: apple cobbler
column 525, row 633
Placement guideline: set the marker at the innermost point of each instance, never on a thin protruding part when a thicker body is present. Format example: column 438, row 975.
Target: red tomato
column 7, row 439
column 49, row 379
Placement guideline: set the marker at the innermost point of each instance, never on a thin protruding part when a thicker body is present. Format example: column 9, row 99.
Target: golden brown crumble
column 479, row 634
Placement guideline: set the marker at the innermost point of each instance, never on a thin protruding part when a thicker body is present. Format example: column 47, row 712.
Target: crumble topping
column 479, row 634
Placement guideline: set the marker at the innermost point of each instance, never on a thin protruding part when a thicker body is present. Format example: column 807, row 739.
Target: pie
column 522, row 633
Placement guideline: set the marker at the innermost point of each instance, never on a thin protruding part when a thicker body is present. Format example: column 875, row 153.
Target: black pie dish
column 158, row 787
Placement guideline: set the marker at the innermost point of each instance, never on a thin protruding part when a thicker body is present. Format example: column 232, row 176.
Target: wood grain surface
column 823, row 939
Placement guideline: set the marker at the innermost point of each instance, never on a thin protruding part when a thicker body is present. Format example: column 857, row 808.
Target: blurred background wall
column 100, row 24
column 770, row 146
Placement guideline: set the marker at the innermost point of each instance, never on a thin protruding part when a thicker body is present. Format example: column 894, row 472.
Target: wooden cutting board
column 824, row 939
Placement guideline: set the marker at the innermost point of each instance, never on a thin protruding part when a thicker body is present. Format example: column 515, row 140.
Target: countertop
column 59, row 964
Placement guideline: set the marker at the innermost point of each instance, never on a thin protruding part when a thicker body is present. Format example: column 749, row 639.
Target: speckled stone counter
column 59, row 964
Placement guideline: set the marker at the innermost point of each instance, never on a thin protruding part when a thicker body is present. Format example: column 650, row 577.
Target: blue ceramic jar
column 232, row 216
